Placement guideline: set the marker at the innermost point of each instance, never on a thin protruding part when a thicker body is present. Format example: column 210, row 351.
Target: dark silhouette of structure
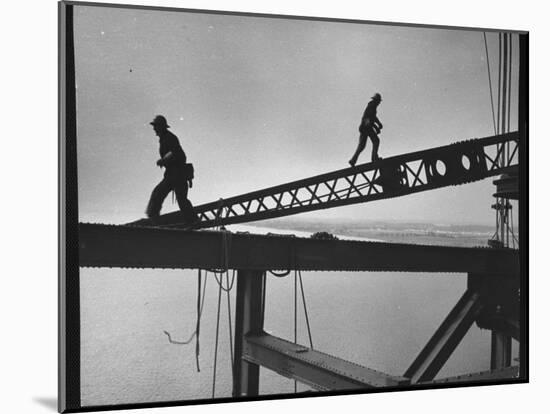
column 177, row 177
column 370, row 127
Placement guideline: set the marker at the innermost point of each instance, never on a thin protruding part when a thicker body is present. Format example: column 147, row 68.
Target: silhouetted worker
column 370, row 127
column 176, row 176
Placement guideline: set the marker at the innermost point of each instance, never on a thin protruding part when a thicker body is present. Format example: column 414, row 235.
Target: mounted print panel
column 258, row 206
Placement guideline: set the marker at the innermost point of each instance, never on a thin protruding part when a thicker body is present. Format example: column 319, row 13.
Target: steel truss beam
column 453, row 164
column 103, row 245
column 319, row 370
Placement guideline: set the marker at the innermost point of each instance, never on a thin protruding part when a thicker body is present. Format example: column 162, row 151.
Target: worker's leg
column 181, row 190
column 360, row 147
column 157, row 197
column 375, row 144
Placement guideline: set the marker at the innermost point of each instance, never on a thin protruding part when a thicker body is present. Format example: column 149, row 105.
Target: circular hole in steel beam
column 466, row 162
column 440, row 168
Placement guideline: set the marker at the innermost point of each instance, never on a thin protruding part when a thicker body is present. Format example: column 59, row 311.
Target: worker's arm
column 164, row 160
column 377, row 121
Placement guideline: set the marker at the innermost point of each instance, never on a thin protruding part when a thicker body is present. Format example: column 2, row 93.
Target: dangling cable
column 229, row 285
column 264, row 289
column 198, row 328
column 305, row 309
column 281, row 274
column 196, row 333
column 229, row 318
column 295, row 317
column 216, row 343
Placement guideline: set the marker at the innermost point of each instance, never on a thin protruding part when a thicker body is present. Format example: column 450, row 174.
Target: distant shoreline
column 469, row 235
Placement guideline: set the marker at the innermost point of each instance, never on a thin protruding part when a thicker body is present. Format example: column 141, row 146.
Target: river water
column 377, row 319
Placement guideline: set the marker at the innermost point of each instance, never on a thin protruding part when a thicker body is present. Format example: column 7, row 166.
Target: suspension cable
column 499, row 80
column 490, row 83
column 509, row 81
column 504, row 82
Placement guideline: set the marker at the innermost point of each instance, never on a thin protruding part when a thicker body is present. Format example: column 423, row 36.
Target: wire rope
column 216, row 341
column 490, row 83
column 305, row 310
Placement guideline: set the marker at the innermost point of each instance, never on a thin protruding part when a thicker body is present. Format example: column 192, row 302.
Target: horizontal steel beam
column 491, row 375
column 318, row 370
column 103, row 245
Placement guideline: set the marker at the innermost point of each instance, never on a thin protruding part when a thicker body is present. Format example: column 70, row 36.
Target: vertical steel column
column 501, row 350
column 249, row 318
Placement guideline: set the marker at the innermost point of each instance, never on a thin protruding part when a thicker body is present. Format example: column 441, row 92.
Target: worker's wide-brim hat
column 160, row 120
column 377, row 97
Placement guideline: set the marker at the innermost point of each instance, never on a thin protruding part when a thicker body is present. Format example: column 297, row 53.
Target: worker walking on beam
column 370, row 127
column 178, row 175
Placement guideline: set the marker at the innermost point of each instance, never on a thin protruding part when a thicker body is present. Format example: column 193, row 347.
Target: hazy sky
column 257, row 102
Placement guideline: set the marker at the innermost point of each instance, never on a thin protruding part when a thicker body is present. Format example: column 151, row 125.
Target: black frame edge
column 68, row 259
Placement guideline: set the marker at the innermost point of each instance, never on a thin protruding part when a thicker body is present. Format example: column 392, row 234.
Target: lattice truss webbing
column 438, row 167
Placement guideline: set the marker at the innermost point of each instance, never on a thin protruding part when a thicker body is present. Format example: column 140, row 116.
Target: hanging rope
column 224, row 259
column 217, row 339
column 264, row 289
column 305, row 309
column 225, row 252
column 295, row 317
column 196, row 333
column 490, row 83
column 201, row 292
column 229, row 319
column 198, row 327
column 282, row 274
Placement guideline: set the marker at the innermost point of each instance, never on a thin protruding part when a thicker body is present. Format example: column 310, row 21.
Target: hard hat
column 377, row 96
column 160, row 120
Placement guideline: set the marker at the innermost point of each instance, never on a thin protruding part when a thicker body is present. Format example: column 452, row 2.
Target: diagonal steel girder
column 439, row 167
column 445, row 340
